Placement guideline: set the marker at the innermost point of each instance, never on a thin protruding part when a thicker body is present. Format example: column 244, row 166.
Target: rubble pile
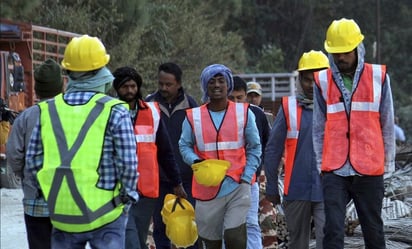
column 396, row 209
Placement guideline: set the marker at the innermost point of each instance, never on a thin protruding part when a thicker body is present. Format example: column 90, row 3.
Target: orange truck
column 23, row 47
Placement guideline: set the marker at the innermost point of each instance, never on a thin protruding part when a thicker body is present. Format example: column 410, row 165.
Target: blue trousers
column 367, row 193
column 159, row 228
column 110, row 236
column 254, row 235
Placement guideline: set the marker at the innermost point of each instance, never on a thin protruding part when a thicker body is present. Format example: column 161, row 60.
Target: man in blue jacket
column 292, row 134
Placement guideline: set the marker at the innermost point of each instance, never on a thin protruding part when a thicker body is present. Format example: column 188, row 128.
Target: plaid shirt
column 118, row 161
column 36, row 207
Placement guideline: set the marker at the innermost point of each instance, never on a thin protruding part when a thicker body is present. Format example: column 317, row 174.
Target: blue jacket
column 173, row 116
column 305, row 184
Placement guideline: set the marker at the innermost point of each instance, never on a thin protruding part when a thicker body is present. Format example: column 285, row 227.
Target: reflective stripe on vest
column 358, row 134
column 293, row 113
column 226, row 142
column 145, row 129
column 68, row 177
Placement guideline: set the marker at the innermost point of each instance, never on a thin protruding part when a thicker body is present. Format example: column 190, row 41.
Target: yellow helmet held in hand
column 210, row 172
column 85, row 53
column 172, row 203
column 313, row 60
column 343, row 36
column 179, row 217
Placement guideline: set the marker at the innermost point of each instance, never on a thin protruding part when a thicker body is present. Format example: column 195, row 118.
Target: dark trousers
column 38, row 232
column 367, row 193
column 138, row 223
column 159, row 228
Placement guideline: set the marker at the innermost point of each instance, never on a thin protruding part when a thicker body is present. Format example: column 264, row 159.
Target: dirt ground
column 12, row 229
column 13, row 234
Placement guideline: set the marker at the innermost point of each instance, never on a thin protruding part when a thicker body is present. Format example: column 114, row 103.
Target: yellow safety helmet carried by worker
column 85, row 53
column 343, row 36
column 172, row 203
column 210, row 172
column 179, row 217
column 313, row 60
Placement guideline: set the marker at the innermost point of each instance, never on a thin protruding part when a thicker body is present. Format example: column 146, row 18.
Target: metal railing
column 274, row 85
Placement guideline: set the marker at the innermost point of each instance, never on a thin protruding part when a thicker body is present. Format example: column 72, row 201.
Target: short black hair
column 172, row 68
column 239, row 84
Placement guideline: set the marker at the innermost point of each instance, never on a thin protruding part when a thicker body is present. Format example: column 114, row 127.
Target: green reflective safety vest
column 73, row 137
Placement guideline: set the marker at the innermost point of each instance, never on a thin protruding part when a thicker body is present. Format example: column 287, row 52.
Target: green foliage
column 270, row 60
column 189, row 39
column 18, row 9
column 247, row 35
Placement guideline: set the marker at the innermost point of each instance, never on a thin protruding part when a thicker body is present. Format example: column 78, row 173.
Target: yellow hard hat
column 182, row 230
column 174, row 204
column 210, row 172
column 85, row 53
column 179, row 217
column 343, row 36
column 313, row 60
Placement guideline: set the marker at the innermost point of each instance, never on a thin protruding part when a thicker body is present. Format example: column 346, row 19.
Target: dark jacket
column 264, row 130
column 173, row 116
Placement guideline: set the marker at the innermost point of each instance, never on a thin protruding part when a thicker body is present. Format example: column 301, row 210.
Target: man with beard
column 153, row 150
column 353, row 135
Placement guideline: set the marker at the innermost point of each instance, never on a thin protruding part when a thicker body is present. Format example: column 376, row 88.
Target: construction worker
column 223, row 130
column 173, row 102
column 291, row 136
column 154, row 151
column 83, row 153
column 48, row 82
column 353, row 134
column 238, row 95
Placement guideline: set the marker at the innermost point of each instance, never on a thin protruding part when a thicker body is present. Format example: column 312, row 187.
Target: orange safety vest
column 357, row 135
column 226, row 142
column 293, row 114
column 145, row 129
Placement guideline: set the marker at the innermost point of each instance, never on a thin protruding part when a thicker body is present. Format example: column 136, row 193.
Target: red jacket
column 145, row 128
column 357, row 135
column 293, row 114
column 226, row 142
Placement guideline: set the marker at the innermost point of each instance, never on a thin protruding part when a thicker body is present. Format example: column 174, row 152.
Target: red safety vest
column 226, row 142
column 145, row 129
column 293, row 114
column 357, row 135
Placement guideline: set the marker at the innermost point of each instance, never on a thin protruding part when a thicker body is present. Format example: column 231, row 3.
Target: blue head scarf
column 212, row 70
column 84, row 81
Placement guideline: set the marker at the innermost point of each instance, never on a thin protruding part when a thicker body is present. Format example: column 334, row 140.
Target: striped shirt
column 118, row 161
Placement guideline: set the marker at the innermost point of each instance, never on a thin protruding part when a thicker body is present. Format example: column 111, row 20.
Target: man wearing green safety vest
column 83, row 153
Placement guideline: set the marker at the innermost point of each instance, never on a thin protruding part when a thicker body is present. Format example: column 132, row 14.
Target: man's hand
column 180, row 191
column 198, row 160
column 275, row 199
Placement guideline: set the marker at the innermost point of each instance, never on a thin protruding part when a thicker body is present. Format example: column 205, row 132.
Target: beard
column 127, row 97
